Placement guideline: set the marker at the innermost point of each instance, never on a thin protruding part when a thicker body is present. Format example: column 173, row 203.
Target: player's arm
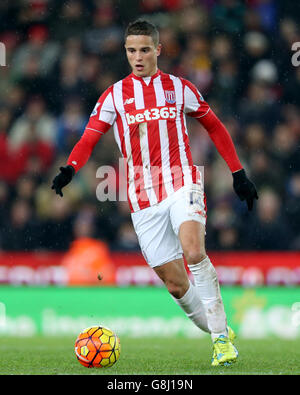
column 196, row 107
column 244, row 188
column 101, row 120
column 77, row 159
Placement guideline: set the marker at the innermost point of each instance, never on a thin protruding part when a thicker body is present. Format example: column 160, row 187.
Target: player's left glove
column 63, row 178
column 244, row 188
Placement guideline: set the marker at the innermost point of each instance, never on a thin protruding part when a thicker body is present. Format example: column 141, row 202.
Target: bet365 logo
column 153, row 114
column 2, row 55
column 296, row 56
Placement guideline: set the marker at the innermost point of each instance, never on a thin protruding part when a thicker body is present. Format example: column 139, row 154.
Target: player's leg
column 188, row 217
column 162, row 251
column 175, row 277
column 183, row 292
column 192, row 238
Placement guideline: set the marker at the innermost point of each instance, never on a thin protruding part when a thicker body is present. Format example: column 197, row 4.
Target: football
column 97, row 347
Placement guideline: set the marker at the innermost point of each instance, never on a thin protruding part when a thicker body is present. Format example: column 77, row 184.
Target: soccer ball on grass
column 97, row 347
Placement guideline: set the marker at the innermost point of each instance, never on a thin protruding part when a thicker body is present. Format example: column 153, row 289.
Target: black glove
column 244, row 188
column 63, row 178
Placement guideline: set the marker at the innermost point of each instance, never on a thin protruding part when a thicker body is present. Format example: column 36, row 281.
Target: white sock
column 192, row 306
column 208, row 289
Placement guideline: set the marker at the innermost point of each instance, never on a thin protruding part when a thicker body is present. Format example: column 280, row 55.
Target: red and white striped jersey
column 148, row 116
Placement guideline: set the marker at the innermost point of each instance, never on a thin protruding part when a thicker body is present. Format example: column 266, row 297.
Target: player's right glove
column 244, row 188
column 62, row 179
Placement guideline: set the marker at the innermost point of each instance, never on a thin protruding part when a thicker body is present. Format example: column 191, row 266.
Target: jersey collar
column 158, row 72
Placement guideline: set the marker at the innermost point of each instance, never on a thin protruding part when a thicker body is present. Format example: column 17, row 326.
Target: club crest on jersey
column 170, row 97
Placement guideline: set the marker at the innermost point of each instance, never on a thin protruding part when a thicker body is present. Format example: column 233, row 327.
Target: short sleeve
column 194, row 104
column 104, row 114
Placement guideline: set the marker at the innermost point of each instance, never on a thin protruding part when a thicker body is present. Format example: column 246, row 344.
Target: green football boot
column 225, row 353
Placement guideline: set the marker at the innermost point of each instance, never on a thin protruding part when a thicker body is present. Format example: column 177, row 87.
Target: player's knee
column 176, row 289
column 194, row 256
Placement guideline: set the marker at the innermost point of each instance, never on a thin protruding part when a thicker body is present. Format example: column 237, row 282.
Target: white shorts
column 157, row 226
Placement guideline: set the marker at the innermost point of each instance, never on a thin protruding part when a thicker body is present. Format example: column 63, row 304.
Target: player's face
column 142, row 55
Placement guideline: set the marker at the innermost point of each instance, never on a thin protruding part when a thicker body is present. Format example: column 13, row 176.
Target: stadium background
column 60, row 56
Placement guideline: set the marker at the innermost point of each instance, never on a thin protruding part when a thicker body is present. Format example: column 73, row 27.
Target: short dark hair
column 141, row 27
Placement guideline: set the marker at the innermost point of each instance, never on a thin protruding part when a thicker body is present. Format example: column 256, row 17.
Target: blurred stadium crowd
column 61, row 55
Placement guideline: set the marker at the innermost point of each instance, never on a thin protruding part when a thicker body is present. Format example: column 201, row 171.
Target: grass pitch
column 149, row 356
